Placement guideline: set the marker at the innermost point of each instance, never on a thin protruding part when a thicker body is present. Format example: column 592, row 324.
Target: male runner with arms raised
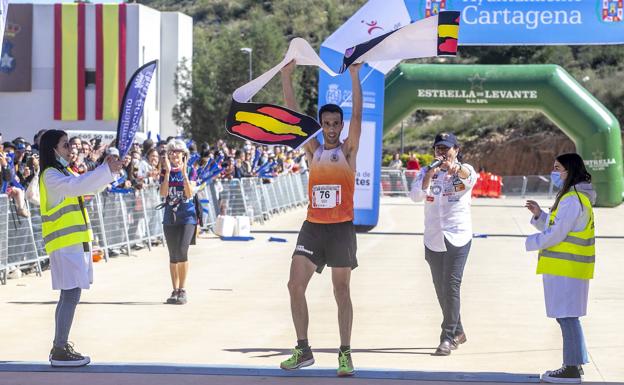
column 327, row 237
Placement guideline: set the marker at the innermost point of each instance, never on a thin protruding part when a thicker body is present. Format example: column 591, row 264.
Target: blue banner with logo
column 531, row 22
column 132, row 106
column 482, row 22
column 337, row 90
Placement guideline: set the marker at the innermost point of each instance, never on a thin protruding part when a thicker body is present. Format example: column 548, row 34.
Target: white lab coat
column 71, row 267
column 564, row 296
column 447, row 207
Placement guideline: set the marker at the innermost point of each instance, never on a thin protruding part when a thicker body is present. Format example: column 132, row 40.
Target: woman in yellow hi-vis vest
column 566, row 259
column 67, row 233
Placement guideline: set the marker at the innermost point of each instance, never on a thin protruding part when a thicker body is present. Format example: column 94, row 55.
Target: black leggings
column 64, row 315
column 178, row 240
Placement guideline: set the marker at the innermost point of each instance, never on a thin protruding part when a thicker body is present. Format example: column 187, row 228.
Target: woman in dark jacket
column 180, row 220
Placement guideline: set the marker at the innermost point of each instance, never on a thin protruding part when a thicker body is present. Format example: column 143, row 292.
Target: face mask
column 61, row 160
column 555, row 177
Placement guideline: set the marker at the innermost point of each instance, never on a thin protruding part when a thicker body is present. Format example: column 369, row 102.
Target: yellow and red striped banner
column 69, row 61
column 110, row 72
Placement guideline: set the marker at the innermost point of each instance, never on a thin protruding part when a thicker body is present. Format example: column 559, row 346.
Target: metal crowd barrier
column 137, row 217
column 255, row 197
column 112, row 210
column 151, row 199
column 285, row 200
column 398, row 183
column 528, row 185
column 117, row 220
column 304, row 184
column 122, row 220
column 4, row 237
column 232, row 200
column 92, row 204
column 207, row 199
column 394, row 183
column 270, row 196
column 252, row 189
column 22, row 247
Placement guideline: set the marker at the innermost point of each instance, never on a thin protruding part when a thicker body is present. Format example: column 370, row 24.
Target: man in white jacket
column 446, row 187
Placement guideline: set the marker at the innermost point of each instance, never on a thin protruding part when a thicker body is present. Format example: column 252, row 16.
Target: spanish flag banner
column 110, row 57
column 269, row 124
column 69, row 61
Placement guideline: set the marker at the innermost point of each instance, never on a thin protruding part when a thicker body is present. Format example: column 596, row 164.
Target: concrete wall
column 177, row 42
column 149, row 49
column 25, row 113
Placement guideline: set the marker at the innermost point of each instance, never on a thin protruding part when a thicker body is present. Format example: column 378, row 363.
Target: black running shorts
column 332, row 244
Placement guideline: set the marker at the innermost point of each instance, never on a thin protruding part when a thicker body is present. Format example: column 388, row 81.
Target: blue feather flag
column 266, row 166
column 256, row 159
column 132, row 106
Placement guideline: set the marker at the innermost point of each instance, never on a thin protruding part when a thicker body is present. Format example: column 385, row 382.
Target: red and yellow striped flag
column 110, row 72
column 69, row 61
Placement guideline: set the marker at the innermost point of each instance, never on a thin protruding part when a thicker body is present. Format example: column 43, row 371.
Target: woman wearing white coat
column 566, row 259
column 67, row 233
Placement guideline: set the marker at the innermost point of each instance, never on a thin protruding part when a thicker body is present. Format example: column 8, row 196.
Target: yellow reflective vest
column 65, row 224
column 574, row 257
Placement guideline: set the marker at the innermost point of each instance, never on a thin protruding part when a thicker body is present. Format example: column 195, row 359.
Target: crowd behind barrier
column 250, row 180
column 253, row 181
column 4, row 236
column 126, row 220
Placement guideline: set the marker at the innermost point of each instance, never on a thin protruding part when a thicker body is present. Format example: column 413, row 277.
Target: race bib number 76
column 325, row 196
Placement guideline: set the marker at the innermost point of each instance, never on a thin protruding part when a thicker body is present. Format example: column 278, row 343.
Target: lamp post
column 248, row 51
column 401, row 137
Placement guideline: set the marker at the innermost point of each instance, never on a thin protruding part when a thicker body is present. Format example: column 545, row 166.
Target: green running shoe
column 300, row 359
column 345, row 364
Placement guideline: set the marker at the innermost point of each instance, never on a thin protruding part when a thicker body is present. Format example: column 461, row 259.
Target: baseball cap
column 9, row 145
column 445, row 139
column 112, row 151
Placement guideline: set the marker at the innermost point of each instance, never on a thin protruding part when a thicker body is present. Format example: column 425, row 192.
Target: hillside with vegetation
column 517, row 142
column 509, row 143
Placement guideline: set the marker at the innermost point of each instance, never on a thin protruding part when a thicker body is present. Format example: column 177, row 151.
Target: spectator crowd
column 19, row 163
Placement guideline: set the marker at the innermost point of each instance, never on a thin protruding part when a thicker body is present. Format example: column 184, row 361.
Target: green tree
column 221, row 27
column 219, row 67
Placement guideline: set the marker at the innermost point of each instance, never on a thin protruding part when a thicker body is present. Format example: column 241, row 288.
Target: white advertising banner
column 375, row 18
column 365, row 164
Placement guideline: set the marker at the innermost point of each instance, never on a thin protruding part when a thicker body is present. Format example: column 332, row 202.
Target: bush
column 423, row 159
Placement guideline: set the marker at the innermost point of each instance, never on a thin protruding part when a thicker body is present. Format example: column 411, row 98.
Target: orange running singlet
column 331, row 186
